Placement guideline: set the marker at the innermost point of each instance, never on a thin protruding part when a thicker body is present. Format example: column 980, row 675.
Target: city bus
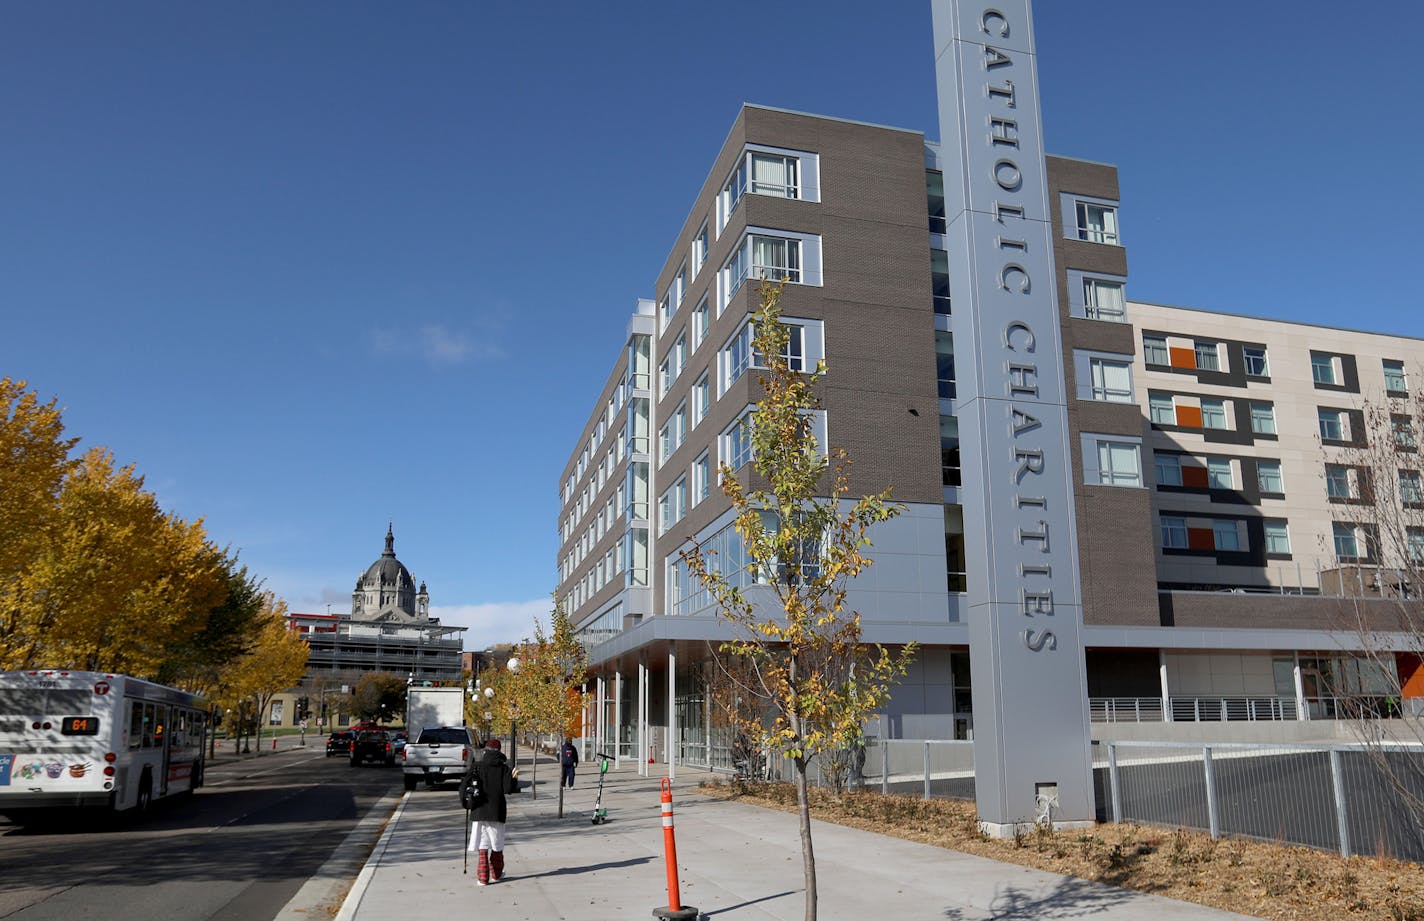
column 95, row 740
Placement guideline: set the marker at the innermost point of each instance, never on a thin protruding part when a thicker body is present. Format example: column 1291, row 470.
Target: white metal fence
column 1345, row 798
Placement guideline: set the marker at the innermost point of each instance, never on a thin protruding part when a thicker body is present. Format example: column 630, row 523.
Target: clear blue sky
column 314, row 265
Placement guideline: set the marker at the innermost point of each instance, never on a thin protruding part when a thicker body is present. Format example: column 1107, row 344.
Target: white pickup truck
column 438, row 754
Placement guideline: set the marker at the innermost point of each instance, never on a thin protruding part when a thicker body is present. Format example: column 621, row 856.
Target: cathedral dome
column 386, row 587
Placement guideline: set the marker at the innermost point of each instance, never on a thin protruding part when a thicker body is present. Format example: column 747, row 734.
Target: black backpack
column 472, row 795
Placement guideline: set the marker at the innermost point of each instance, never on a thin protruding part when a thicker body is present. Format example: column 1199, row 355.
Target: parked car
column 338, row 743
column 372, row 745
column 398, row 742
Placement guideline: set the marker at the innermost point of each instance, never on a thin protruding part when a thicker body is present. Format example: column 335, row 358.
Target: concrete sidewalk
column 736, row 861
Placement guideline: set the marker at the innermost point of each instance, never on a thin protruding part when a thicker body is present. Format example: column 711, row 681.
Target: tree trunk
column 808, row 854
column 560, row 759
column 257, row 721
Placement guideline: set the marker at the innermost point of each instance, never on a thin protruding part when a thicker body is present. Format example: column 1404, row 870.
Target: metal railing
column 1196, row 709
column 1125, row 709
column 1345, row 798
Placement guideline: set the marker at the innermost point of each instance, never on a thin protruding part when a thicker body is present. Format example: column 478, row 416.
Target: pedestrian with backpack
column 487, row 781
column 568, row 759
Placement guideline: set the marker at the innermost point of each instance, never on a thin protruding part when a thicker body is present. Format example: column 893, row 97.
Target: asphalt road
column 239, row 848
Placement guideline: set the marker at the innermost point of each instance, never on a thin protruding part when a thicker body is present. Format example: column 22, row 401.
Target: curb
column 325, row 886
column 352, row 902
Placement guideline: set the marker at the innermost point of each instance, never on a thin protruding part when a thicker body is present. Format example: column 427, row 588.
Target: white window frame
column 1219, row 474
column 1156, row 403
column 1330, row 362
column 1248, row 360
column 1394, row 371
column 1172, row 525
column 1345, row 536
column 1171, row 464
column 1085, row 296
column 701, row 399
column 1411, row 487
column 1220, row 528
column 1077, row 219
column 701, row 478
column 1340, row 482
column 700, row 249
column 739, row 268
column 1270, row 470
column 701, row 317
column 1337, row 419
column 736, row 442
column 1263, row 418
column 1203, row 349
column 1152, row 343
column 1098, row 385
column 1099, row 469
column 1277, row 534
column 741, row 179
column 1225, row 413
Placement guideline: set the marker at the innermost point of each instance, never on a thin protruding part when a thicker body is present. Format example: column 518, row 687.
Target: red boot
column 497, row 865
column 482, row 869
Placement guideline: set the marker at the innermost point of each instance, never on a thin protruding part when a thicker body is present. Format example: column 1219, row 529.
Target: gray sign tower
column 1031, row 741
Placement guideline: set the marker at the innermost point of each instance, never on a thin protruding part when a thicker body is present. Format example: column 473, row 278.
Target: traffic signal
column 303, row 708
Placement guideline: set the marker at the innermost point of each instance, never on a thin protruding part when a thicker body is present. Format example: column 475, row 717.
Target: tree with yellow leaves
column 816, row 682
column 274, row 662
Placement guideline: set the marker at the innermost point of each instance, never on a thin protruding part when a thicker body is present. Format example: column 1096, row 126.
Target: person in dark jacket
column 496, row 781
column 568, row 757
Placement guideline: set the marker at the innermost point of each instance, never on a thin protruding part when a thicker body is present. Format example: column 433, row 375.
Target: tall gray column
column 671, row 709
column 617, row 717
column 1031, row 739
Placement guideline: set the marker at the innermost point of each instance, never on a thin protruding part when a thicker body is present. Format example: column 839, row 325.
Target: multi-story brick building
column 1211, row 544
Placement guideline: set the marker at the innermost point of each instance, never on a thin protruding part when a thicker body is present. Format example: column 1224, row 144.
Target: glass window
column 1118, row 464
column 1174, row 532
column 1169, row 469
column 701, row 479
column 774, row 174
column 1160, row 409
column 934, row 193
column 701, row 399
column 1347, row 542
column 1112, row 380
column 1268, row 477
column 776, row 258
column 665, row 445
column 733, row 190
column 1402, row 430
column 699, row 250
column 1414, row 540
column 664, row 377
column 1277, row 537
column 1337, row 481
column 734, row 273
column 1213, row 414
column 679, row 355
column 949, row 449
column 1256, row 365
column 739, row 354
column 794, row 352
column 1322, row 368
column 1154, row 350
column 1218, row 473
column 1103, row 300
column 1332, row 425
column 739, row 442
column 700, row 317
column 1410, row 488
column 939, row 280
column 1097, row 223
column 1225, row 535
column 1263, row 418
column 944, row 363
column 1394, row 379
column 1207, row 357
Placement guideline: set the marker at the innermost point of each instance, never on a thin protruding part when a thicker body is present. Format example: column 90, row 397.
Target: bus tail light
column 108, row 770
column 110, row 757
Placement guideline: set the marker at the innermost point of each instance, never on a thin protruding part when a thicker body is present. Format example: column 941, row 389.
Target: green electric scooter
column 600, row 812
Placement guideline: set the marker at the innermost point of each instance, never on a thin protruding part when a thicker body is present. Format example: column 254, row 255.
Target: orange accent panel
column 1189, row 416
column 1201, row 539
column 1411, row 674
column 1182, row 358
column 1195, row 477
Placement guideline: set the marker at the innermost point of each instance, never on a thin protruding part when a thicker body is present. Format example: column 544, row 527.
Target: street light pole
column 513, row 666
